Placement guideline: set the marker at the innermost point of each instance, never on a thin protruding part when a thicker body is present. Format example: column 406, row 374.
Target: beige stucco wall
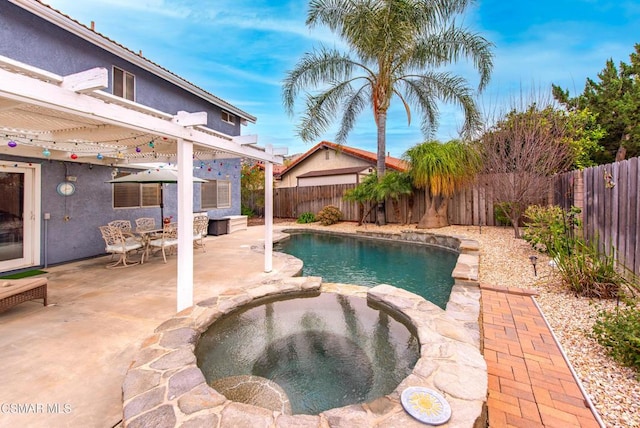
column 332, row 179
column 321, row 160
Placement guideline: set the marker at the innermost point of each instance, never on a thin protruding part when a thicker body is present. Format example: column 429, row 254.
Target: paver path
column 530, row 382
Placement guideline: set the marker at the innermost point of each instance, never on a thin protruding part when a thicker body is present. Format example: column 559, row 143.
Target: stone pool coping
column 164, row 387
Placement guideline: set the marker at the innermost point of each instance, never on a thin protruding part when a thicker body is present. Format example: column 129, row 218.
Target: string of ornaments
column 13, row 143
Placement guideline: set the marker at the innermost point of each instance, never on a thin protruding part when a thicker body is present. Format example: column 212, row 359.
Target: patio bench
column 16, row 291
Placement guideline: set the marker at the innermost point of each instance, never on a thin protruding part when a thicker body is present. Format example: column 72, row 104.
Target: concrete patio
column 63, row 365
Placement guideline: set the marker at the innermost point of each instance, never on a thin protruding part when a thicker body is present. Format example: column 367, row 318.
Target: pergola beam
column 87, row 81
column 26, row 89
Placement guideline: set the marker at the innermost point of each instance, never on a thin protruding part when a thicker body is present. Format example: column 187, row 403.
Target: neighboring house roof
column 91, row 35
column 337, row 171
column 277, row 169
column 390, row 162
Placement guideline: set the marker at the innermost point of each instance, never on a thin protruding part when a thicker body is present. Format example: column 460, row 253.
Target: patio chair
column 168, row 241
column 117, row 243
column 200, row 225
column 125, row 228
column 145, row 223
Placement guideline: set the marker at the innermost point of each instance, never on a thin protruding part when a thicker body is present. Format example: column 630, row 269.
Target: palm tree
column 367, row 192
column 441, row 169
column 395, row 48
column 394, row 185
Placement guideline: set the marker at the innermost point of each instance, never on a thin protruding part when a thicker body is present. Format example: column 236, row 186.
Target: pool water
column 325, row 351
column 423, row 270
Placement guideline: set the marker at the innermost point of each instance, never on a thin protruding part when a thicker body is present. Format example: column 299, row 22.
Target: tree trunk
column 436, row 213
column 410, row 202
column 381, row 123
column 621, row 154
column 396, row 210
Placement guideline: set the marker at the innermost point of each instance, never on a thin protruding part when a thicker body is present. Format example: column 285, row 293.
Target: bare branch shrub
column 521, row 152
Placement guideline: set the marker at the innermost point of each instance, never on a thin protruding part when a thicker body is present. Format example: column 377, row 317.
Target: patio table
column 145, row 238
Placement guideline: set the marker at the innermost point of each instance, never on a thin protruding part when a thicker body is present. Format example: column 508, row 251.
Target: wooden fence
column 608, row 196
column 471, row 206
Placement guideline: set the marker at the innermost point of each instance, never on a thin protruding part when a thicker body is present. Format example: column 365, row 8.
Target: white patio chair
column 200, row 226
column 168, row 241
column 116, row 243
column 145, row 223
column 125, row 228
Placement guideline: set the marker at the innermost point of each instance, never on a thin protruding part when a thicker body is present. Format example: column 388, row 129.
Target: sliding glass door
column 18, row 228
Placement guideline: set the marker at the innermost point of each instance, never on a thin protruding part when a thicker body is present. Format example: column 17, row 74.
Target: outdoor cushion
column 167, row 242
column 118, row 248
column 19, row 285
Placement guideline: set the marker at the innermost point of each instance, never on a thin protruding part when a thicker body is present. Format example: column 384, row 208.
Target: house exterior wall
column 91, row 205
column 29, row 39
column 328, row 180
column 321, row 160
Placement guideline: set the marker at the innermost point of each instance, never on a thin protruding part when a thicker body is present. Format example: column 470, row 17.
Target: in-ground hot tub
column 324, row 350
column 164, row 387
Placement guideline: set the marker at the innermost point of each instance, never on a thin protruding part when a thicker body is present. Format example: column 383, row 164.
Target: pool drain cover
column 426, row 405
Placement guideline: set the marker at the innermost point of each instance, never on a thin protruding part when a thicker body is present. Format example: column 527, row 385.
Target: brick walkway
column 530, row 383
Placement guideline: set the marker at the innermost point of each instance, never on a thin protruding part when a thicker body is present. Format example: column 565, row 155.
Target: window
column 216, row 194
column 228, row 117
column 136, row 195
column 123, row 84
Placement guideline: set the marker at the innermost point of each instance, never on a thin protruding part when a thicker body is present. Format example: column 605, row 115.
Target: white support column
column 185, row 225
column 268, row 212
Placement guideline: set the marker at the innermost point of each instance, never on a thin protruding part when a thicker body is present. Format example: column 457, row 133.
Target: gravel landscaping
column 614, row 390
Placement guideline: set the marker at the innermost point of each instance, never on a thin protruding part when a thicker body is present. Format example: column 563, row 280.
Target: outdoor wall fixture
column 534, row 260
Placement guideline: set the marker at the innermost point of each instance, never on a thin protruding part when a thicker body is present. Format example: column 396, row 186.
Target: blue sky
column 240, row 50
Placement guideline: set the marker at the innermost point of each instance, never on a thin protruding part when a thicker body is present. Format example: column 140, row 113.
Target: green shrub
column 619, row 332
column 550, row 229
column 588, row 273
column 307, row 217
column 245, row 210
column 500, row 214
column 329, row 215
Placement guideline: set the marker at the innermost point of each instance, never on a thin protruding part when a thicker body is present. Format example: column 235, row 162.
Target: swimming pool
column 422, row 269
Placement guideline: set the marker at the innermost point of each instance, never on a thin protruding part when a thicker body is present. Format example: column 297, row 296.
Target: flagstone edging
column 164, row 387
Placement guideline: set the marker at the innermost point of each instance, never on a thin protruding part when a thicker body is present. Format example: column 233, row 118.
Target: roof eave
column 52, row 15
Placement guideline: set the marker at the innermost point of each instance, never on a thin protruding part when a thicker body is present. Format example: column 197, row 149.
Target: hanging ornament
column 46, row 153
column 201, row 164
column 219, row 173
column 151, row 144
column 120, row 155
column 74, row 156
column 209, row 169
column 138, row 149
column 12, row 143
column 99, row 156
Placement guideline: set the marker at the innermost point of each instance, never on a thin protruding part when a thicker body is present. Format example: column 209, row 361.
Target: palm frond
column 351, row 109
column 316, row 68
column 450, row 45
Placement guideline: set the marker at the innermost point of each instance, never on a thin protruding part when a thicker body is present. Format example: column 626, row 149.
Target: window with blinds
column 136, row 195
column 215, row 194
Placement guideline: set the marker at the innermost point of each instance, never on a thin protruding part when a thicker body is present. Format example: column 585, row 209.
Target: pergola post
column 185, row 225
column 268, row 212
